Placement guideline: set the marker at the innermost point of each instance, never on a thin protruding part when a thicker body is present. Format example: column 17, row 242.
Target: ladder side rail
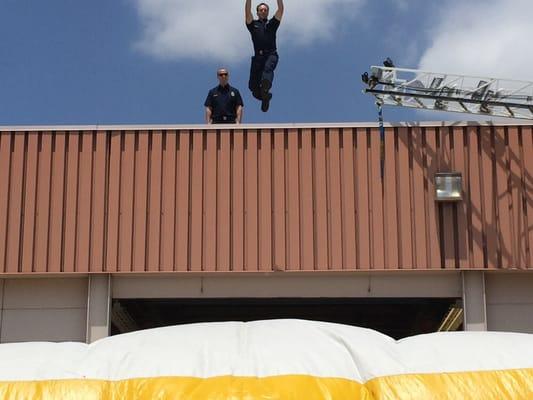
column 418, row 71
column 447, row 98
column 452, row 107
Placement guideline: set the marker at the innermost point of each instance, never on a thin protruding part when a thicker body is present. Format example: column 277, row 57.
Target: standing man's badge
column 232, row 94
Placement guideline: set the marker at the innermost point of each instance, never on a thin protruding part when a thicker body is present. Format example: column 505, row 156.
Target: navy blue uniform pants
column 262, row 68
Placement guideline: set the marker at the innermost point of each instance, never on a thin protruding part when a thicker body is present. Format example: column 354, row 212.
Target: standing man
column 224, row 103
column 265, row 60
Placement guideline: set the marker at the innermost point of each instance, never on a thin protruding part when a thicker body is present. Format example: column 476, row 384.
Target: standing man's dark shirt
column 223, row 101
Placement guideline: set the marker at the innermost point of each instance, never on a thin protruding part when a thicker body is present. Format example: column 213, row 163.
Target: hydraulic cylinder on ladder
column 449, row 92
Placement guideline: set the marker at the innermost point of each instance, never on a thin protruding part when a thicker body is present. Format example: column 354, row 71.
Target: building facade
column 111, row 229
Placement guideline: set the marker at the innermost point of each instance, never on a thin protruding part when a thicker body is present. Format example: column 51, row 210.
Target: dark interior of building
column 397, row 318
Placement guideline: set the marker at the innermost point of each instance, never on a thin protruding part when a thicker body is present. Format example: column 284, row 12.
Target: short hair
column 262, row 4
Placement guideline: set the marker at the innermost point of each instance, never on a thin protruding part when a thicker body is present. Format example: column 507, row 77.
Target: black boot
column 266, row 96
column 265, row 103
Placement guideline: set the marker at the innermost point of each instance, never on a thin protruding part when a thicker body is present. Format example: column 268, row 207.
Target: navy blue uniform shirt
column 223, row 101
column 264, row 34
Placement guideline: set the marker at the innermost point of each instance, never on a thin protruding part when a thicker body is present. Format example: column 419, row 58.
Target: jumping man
column 265, row 60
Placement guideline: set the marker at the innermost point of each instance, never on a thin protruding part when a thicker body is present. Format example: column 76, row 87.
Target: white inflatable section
column 264, row 349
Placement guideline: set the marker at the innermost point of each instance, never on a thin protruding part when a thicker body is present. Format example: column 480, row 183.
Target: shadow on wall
column 489, row 228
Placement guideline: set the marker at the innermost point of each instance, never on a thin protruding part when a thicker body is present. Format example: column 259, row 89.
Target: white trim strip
column 28, row 128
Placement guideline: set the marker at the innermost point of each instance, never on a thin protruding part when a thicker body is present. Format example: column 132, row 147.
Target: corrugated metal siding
column 293, row 199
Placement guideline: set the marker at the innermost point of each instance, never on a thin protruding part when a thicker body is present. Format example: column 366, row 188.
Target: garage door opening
column 397, row 318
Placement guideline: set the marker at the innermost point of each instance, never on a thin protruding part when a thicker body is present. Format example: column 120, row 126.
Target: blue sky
column 153, row 61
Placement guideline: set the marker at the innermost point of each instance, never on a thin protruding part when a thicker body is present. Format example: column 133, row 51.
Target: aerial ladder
column 435, row 91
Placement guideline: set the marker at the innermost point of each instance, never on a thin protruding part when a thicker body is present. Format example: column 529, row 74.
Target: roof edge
column 411, row 124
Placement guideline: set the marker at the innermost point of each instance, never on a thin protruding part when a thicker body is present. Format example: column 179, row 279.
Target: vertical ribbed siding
column 262, row 200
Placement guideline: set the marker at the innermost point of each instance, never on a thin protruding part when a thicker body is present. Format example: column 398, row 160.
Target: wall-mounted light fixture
column 448, row 186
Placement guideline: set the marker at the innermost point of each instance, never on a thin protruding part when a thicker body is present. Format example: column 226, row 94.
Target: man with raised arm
column 265, row 59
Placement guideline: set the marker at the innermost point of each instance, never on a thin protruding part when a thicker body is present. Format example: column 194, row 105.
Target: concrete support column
column 474, row 301
column 98, row 307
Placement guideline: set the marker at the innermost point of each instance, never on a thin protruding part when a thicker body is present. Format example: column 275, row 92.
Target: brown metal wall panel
column 264, row 200
column 334, row 199
column 433, row 227
column 321, row 201
column 489, row 199
column 29, row 201
column 184, row 199
column 377, row 237
column 278, row 188
column 16, row 182
column 460, row 149
column 391, row 201
column 405, row 211
column 42, row 223
column 418, row 185
column 197, row 202
column 448, row 211
column 113, row 202
column 127, row 203
column 71, row 203
column 140, row 197
column 307, row 249
column 155, row 159
column 223, row 207
column 57, row 202
column 505, row 256
column 85, row 183
column 168, row 206
column 293, row 201
column 237, row 202
column 521, row 227
column 514, row 155
column 474, row 203
column 362, row 206
column 209, row 240
column 5, row 160
column 251, row 234
column 521, row 205
column 348, row 200
column 99, row 195
column 527, row 143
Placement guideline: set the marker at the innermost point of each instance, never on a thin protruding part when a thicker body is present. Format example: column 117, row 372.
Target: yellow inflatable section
column 270, row 360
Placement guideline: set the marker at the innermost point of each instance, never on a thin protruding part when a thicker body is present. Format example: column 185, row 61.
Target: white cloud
column 200, row 29
column 482, row 37
column 488, row 38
